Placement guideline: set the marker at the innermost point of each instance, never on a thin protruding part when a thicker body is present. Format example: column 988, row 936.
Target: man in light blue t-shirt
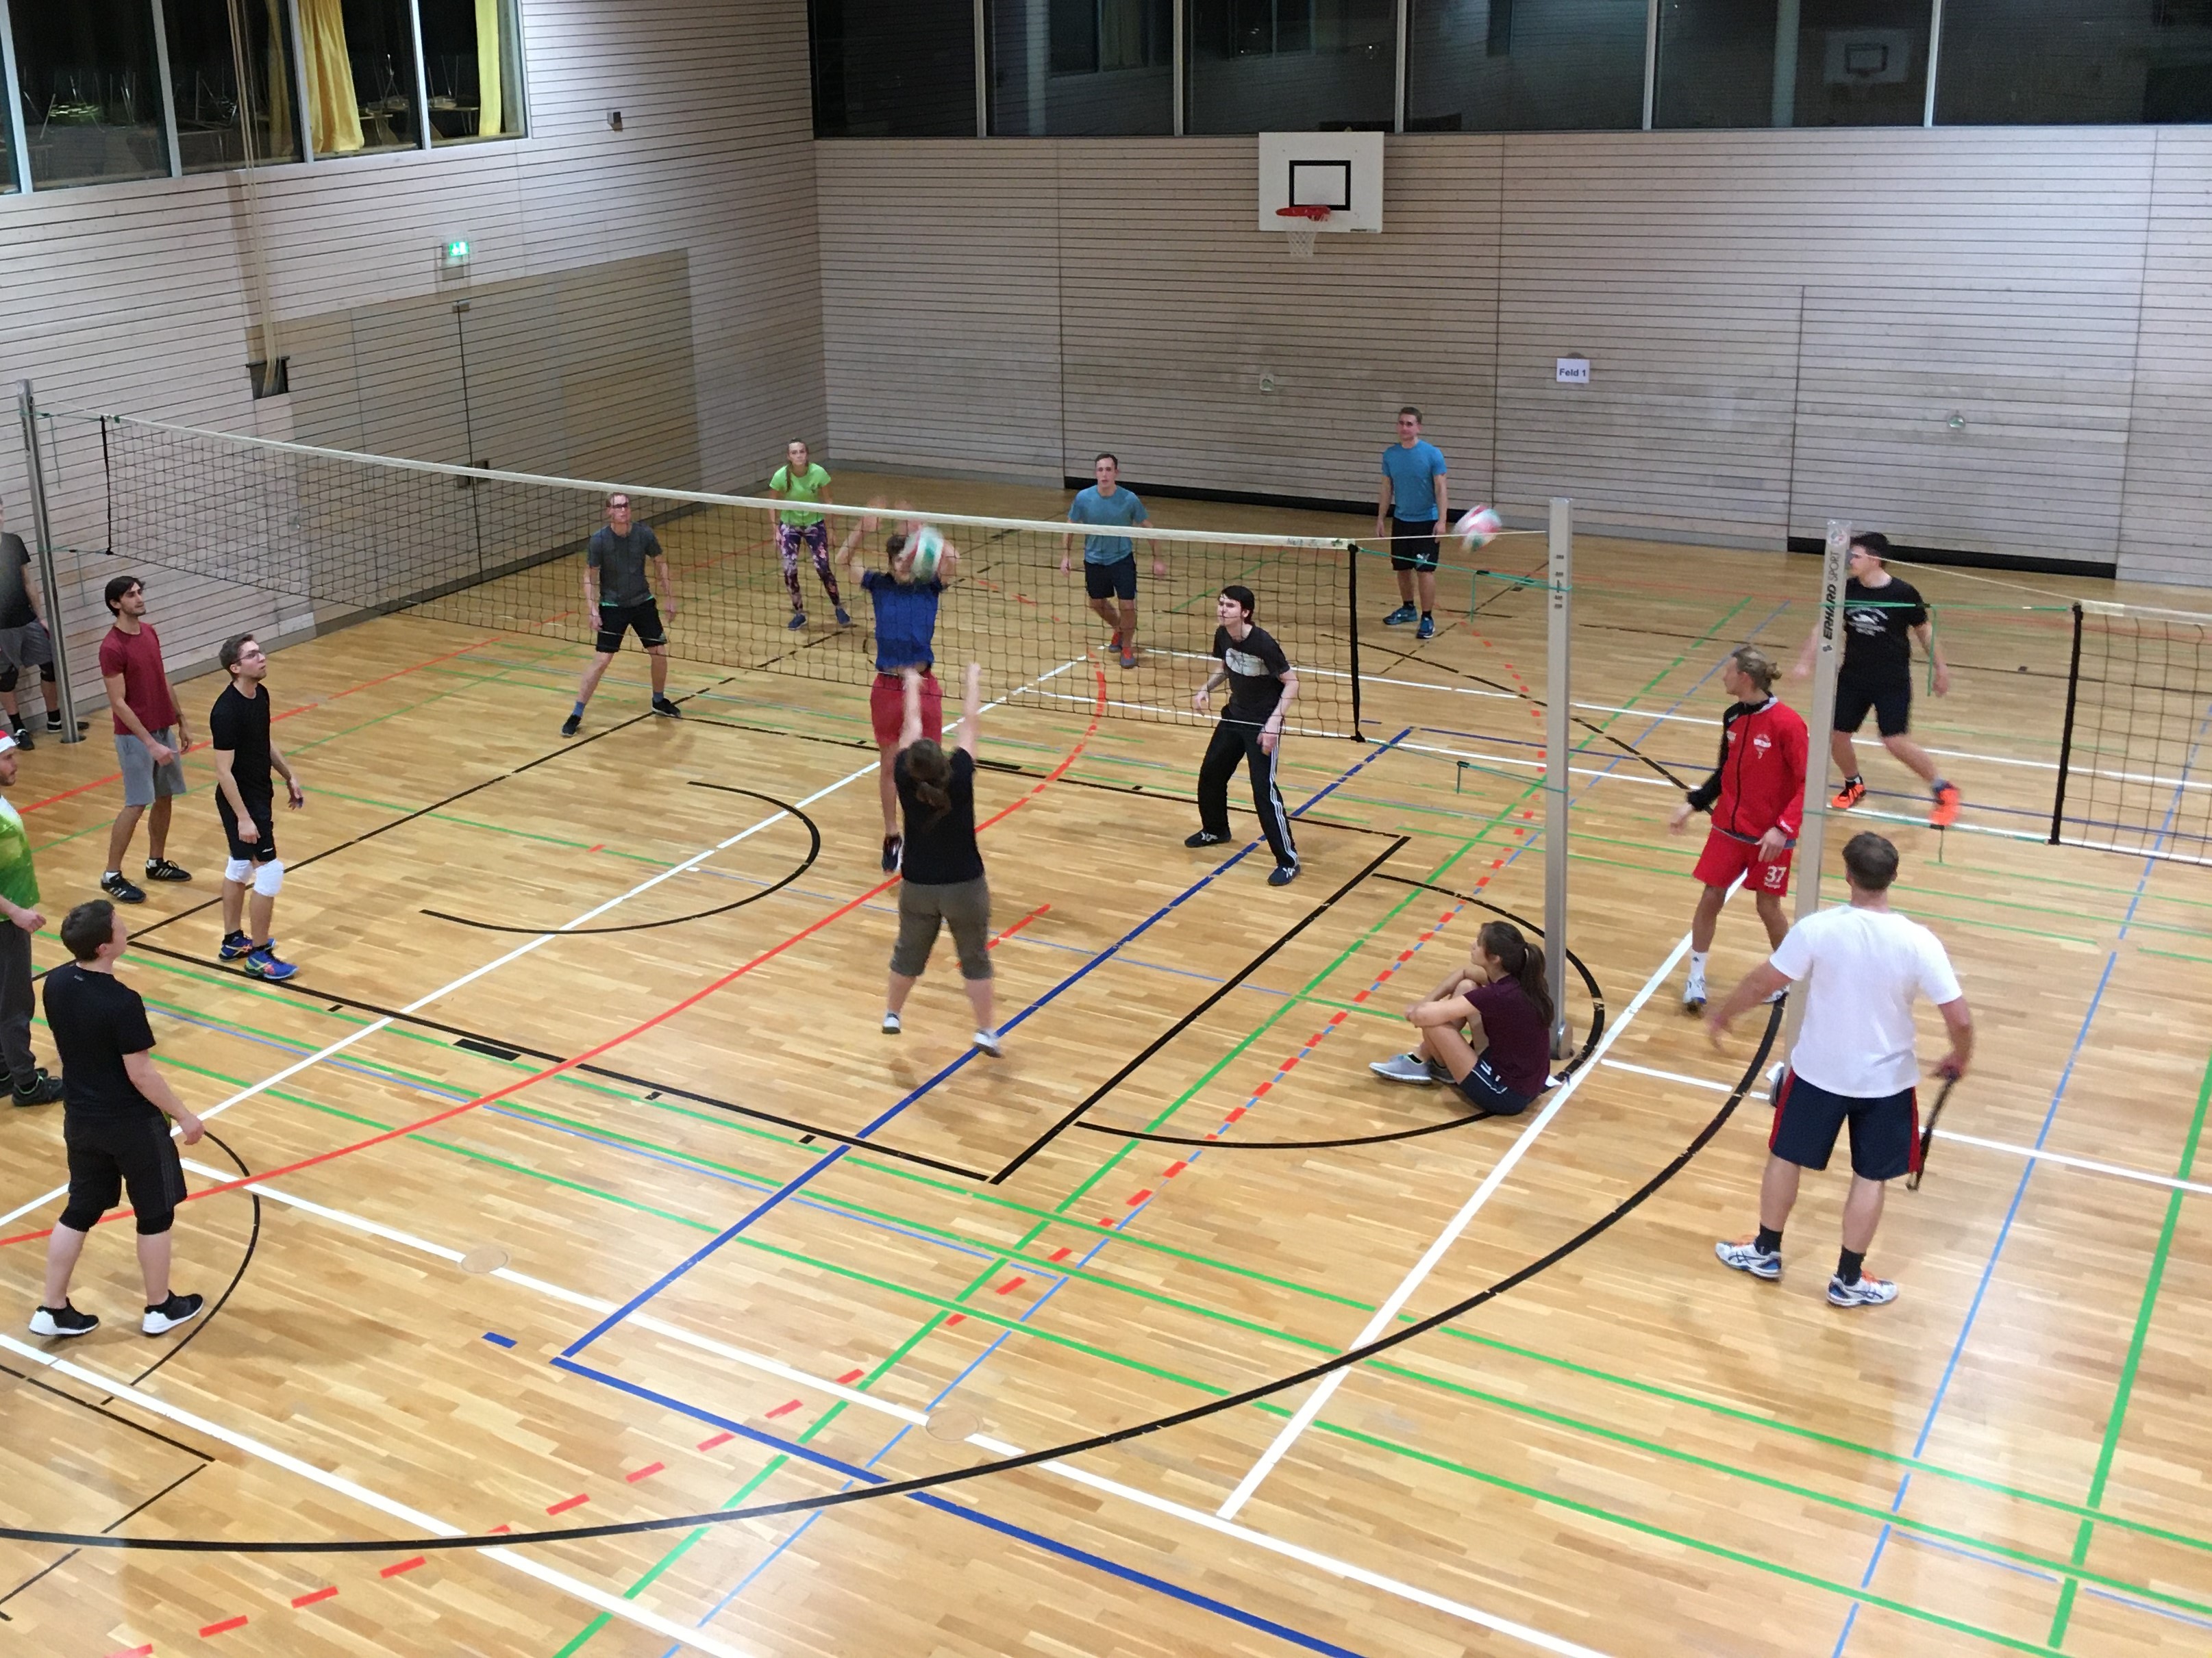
column 1109, row 563
column 1410, row 509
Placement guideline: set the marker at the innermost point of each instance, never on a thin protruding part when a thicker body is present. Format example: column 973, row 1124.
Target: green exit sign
column 453, row 256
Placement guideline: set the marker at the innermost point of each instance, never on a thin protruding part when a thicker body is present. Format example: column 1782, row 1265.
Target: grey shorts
column 26, row 646
column 142, row 778
column 965, row 907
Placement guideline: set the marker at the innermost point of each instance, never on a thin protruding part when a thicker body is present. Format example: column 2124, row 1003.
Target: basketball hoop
column 1305, row 223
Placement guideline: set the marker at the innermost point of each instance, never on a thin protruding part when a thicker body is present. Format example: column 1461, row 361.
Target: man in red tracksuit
column 1757, row 797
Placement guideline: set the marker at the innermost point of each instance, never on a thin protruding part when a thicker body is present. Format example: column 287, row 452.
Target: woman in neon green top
column 800, row 480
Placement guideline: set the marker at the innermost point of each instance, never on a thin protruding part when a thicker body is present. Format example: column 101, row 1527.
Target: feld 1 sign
column 1573, row 371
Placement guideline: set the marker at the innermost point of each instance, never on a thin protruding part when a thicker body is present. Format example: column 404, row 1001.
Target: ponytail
column 930, row 771
column 1524, row 963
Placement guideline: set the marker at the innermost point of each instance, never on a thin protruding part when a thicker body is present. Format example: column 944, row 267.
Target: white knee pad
column 240, row 870
column 269, row 878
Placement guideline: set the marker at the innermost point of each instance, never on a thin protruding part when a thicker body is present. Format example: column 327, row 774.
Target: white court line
column 613, row 1605
column 1388, row 1312
column 2031, row 1153
column 767, row 1366
column 1538, row 765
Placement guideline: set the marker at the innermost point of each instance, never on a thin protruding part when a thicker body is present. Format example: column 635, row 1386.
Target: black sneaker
column 62, row 1321
column 572, row 725
column 21, row 734
column 177, row 1309
column 1282, row 875
column 666, row 710
column 1204, row 838
column 54, row 722
column 117, row 885
column 160, row 869
column 44, row 1090
column 892, row 845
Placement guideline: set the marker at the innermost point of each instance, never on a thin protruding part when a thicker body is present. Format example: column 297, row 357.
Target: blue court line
column 1051, row 995
column 2052, row 1577
column 974, row 1516
column 2012, row 1210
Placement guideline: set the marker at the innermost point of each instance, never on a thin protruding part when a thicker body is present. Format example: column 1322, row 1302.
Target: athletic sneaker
column 572, row 725
column 1746, row 1256
column 1204, row 838
column 1400, row 616
column 160, row 869
column 892, row 845
column 844, row 619
column 21, row 735
column 891, row 1025
column 1128, row 659
column 798, row 620
column 987, row 1041
column 62, row 1321
column 1946, row 807
column 1416, row 1068
column 1282, row 875
column 1850, row 795
column 1868, row 1291
column 44, row 1090
column 261, row 962
column 235, row 945
column 1115, row 643
column 1693, row 994
column 54, row 719
column 117, row 885
column 1427, row 629
column 665, row 708
column 177, row 1309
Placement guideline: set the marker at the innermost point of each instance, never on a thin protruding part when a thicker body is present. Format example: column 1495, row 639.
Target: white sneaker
column 891, row 1025
column 987, row 1040
column 1746, row 1256
column 1693, row 994
column 1414, row 1068
column 1868, row 1291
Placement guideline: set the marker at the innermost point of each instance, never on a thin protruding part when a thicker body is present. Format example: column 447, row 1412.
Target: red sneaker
column 1946, row 808
column 1851, row 794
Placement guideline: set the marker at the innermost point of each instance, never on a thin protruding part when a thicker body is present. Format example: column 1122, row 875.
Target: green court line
column 2170, row 955
column 2125, row 1392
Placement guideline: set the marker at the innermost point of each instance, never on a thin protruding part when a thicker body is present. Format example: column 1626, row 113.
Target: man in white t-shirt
column 1854, row 1062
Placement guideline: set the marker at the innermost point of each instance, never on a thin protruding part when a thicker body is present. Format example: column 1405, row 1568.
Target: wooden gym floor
column 593, row 1195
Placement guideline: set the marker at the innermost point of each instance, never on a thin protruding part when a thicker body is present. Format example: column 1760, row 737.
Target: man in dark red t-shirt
column 150, row 738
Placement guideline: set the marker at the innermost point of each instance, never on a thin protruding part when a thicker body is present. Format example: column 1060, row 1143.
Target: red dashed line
column 145, row 1651
column 602, row 847
column 1176, row 1168
column 1025, row 919
column 1061, row 1254
column 227, row 1624
column 1239, row 1111
column 311, row 1596
column 568, row 1503
column 646, row 1473
column 1140, row 1197
column 397, row 1567
column 956, row 1319
column 783, row 1409
column 501, row 1526
column 850, row 1377
column 1015, row 1283
column 713, row 1440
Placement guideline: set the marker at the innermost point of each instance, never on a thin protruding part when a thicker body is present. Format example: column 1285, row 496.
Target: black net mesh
column 2133, row 776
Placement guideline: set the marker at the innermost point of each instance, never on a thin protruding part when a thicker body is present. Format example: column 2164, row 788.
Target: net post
column 1820, row 723
column 1558, row 615
column 1351, row 629
column 2066, row 732
column 35, row 465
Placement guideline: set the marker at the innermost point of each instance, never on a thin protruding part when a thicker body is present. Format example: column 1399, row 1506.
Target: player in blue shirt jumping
column 1109, row 563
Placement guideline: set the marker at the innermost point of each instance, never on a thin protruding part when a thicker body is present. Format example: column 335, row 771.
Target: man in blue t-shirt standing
column 1109, row 563
column 1410, row 509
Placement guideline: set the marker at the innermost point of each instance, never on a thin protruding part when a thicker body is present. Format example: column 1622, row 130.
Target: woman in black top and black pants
column 943, row 870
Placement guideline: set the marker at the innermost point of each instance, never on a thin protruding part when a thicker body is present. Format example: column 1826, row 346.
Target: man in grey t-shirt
column 24, row 642
column 616, row 591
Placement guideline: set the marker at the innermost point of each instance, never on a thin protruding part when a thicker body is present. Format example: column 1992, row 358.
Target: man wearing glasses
column 616, row 591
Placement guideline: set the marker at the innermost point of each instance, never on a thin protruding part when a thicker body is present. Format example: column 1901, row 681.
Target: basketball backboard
column 1340, row 171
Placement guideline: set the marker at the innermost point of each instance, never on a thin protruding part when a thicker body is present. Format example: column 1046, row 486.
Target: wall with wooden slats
column 135, row 297
column 1781, row 326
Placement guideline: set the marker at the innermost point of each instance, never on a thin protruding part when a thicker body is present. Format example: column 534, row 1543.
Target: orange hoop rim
column 1304, row 210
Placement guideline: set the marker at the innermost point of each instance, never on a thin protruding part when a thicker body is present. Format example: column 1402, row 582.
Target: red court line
column 1017, row 927
column 783, row 1409
column 103, row 782
column 562, row 1506
column 647, row 1471
column 713, row 1440
column 224, row 1627
column 611, row 1043
column 311, row 1596
column 409, row 1566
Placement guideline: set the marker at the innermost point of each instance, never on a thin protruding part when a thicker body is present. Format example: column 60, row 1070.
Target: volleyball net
column 2132, row 764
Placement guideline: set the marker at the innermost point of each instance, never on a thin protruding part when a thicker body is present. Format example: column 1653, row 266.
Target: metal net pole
column 42, row 527
column 1820, row 723
column 1559, row 617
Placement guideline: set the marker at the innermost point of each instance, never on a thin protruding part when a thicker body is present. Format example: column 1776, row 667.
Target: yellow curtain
column 333, row 111
column 279, row 86
column 491, row 114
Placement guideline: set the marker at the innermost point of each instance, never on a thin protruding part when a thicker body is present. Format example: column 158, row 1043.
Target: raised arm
column 971, row 708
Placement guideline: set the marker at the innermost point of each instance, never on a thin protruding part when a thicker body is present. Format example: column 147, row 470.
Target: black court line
column 813, row 852
column 1213, row 1143
column 252, row 1242
column 852, row 1494
column 1194, row 1014
column 477, row 1042
column 129, row 1514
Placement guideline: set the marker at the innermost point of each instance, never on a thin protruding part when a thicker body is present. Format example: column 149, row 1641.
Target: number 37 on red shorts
column 1727, row 856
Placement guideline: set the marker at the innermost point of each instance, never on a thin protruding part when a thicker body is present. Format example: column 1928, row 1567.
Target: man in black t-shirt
column 1882, row 616
column 245, row 799
column 115, row 1121
column 1262, row 684
column 617, row 592
column 24, row 642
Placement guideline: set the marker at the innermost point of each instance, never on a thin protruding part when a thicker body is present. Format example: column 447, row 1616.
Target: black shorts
column 1885, row 1131
column 264, row 813
column 107, row 1154
column 615, row 620
column 1486, row 1090
column 1891, row 701
column 1414, row 545
column 1114, row 581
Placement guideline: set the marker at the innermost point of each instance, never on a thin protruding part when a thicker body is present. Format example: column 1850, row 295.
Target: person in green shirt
column 19, row 905
column 800, row 480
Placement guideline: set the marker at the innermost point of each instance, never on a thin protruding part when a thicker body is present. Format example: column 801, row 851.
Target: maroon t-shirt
column 137, row 658
column 1520, row 1048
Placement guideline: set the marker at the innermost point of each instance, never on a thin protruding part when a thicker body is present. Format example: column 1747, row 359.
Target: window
column 1524, row 65
column 1283, row 65
column 1792, row 63
column 2098, row 60
column 360, row 75
column 474, row 71
column 1084, row 67
column 894, row 69
column 91, row 95
column 213, row 120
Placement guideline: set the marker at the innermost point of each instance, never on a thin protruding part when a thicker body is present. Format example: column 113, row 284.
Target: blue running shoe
column 798, row 620
column 261, row 962
column 844, row 618
column 1427, row 629
column 235, row 945
column 1400, row 616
